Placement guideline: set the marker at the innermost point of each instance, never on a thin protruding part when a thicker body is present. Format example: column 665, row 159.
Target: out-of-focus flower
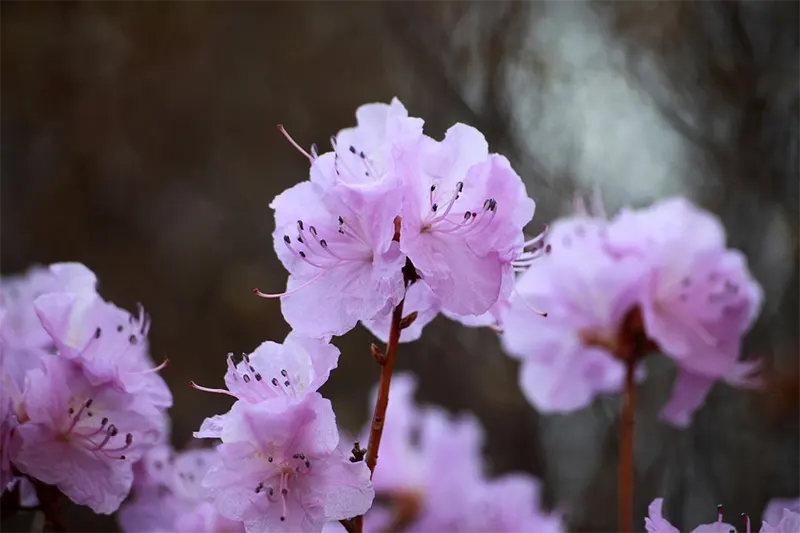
column 660, row 274
column 781, row 516
column 168, row 497
column 774, row 512
column 431, row 469
column 82, row 437
column 698, row 299
column 280, row 468
column 656, row 523
column 587, row 293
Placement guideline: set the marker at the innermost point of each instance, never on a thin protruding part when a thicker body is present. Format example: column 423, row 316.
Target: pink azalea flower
column 280, row 468
column 109, row 342
column 789, row 523
column 656, row 523
column 299, row 366
column 462, row 218
column 698, row 300
column 343, row 265
column 586, row 292
column 82, row 437
column 169, row 497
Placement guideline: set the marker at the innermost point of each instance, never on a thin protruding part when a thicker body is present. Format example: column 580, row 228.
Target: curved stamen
column 287, row 293
column 529, row 306
column 294, row 143
column 158, row 368
column 207, row 389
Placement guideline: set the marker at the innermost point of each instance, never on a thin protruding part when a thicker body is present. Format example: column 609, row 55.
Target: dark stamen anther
column 286, row 239
column 275, row 381
column 300, row 224
column 258, row 377
column 352, row 149
column 97, row 333
column 434, row 207
column 302, row 253
column 284, row 373
column 246, row 378
column 132, row 339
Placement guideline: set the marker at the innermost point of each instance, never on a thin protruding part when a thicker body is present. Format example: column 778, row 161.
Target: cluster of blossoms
column 431, row 476
column 280, row 466
column 389, row 207
column 661, row 277
column 391, row 220
column 82, row 400
column 780, row 516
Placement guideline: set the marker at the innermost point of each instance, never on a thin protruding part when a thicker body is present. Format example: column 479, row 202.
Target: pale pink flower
column 280, row 468
column 586, row 292
column 698, row 299
column 781, row 516
column 656, row 523
column 82, row 437
column 462, row 218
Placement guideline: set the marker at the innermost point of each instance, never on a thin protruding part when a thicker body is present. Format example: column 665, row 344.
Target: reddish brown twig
column 382, row 402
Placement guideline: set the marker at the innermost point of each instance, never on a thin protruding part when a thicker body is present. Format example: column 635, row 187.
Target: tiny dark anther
column 467, row 215
column 283, row 518
column 341, row 220
column 275, row 381
column 308, row 463
column 258, row 377
column 284, row 491
column 352, row 149
column 89, row 403
column 460, row 186
column 71, row 410
column 286, row 383
column 313, row 230
column 284, row 373
column 302, row 254
column 323, row 243
column 89, row 413
column 434, row 207
column 300, row 239
column 286, row 239
column 300, row 224
column 97, row 333
column 132, row 339
column 269, row 459
column 122, row 457
column 433, row 187
column 362, row 155
column 548, row 248
column 104, row 421
column 246, row 378
column 120, row 328
column 112, row 430
column 128, row 439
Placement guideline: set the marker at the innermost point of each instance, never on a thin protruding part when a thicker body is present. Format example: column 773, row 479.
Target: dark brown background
column 139, row 138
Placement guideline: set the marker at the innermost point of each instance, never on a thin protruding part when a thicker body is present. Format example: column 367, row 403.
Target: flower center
column 93, row 430
column 276, row 486
column 441, row 217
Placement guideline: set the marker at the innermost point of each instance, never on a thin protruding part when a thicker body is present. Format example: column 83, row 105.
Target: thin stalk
column 625, row 502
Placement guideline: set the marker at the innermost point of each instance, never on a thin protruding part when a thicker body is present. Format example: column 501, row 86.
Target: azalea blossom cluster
column 432, row 478
column 390, row 207
column 660, row 277
column 280, row 465
column 82, row 400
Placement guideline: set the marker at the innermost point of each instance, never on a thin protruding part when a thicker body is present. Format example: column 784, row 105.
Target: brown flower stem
column 625, row 504
column 382, row 402
column 49, row 498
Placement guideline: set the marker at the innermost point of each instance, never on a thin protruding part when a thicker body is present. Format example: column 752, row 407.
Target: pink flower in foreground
column 279, row 468
column 299, row 366
column 656, row 523
column 587, row 293
column 168, row 496
column 698, row 300
column 462, row 217
column 80, row 436
column 334, row 233
column 456, row 210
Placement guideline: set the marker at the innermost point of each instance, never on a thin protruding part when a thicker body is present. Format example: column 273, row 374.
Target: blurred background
column 139, row 139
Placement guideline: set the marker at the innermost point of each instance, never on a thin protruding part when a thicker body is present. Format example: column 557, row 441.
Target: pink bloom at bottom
column 280, row 469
